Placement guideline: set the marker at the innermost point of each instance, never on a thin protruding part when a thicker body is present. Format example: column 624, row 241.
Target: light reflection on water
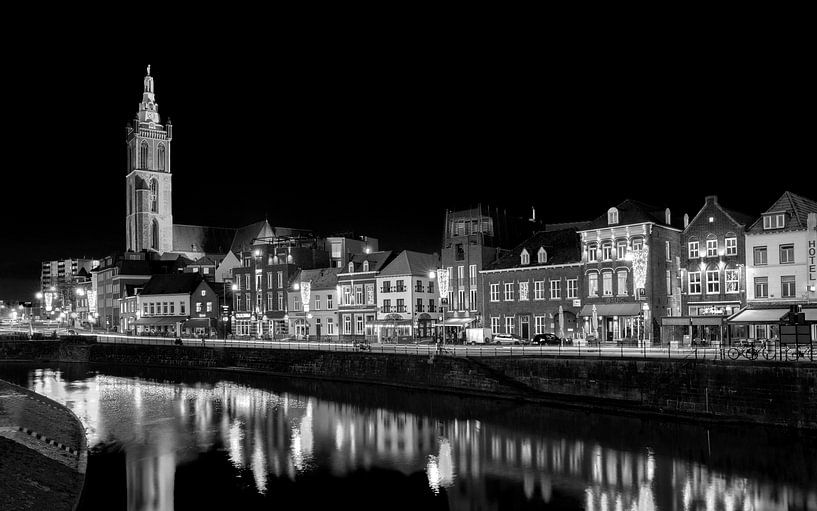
column 277, row 435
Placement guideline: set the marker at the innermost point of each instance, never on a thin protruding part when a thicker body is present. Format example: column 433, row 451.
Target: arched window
column 525, row 257
column 542, row 255
column 154, row 237
column 143, row 156
column 365, row 265
column 160, row 157
column 154, row 196
column 351, row 267
column 612, row 216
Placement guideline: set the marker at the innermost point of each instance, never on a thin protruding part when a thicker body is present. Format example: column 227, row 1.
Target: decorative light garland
column 640, row 260
column 306, row 288
column 442, row 282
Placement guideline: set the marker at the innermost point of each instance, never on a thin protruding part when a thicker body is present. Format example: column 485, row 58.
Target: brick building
column 713, row 274
column 473, row 239
column 357, row 300
column 537, row 287
column 631, row 258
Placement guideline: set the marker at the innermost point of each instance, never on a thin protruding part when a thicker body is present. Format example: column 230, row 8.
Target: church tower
column 149, row 223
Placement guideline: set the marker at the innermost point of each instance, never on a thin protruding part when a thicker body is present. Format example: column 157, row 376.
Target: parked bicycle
column 795, row 353
column 749, row 352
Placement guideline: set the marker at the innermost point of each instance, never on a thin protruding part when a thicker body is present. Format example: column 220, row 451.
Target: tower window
column 160, row 157
column 154, row 196
column 143, row 155
column 154, row 237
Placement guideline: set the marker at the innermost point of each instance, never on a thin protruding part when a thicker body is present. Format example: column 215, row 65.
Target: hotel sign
column 812, row 266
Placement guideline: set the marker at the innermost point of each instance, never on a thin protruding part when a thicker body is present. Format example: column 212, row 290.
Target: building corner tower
column 148, row 185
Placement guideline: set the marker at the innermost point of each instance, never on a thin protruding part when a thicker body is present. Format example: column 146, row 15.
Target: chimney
column 711, row 199
column 686, row 220
column 811, row 221
column 533, row 214
column 667, row 217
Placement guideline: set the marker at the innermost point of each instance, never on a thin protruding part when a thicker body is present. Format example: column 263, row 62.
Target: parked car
column 71, row 331
column 507, row 339
column 547, row 339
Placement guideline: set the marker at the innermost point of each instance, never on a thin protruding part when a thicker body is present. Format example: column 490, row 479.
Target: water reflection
column 467, row 462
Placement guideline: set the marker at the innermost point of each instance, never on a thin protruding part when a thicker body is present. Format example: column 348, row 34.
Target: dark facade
column 536, row 287
column 262, row 281
column 632, row 260
column 473, row 239
column 713, row 255
column 116, row 272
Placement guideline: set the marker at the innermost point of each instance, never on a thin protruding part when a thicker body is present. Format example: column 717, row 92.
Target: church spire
column 148, row 81
column 148, row 108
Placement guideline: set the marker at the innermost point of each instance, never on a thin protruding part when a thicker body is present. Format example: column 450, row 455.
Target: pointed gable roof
column 409, row 262
column 797, row 207
column 737, row 217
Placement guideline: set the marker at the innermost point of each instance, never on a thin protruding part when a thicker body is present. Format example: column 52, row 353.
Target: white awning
column 758, row 316
column 456, row 322
column 612, row 309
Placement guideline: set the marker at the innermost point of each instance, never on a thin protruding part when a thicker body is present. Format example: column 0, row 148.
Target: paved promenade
column 43, row 454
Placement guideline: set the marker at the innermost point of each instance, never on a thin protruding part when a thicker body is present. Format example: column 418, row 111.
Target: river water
column 176, row 440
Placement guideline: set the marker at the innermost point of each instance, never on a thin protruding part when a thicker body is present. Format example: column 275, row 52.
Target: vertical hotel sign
column 811, row 254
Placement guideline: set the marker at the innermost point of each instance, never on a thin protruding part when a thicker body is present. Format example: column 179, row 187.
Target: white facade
column 397, row 299
column 803, row 267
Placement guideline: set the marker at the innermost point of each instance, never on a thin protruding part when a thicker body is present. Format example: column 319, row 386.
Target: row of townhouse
column 380, row 296
column 636, row 273
column 610, row 278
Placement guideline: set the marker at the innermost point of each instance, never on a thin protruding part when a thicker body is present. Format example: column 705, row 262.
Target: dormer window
column 525, row 256
column 542, row 256
column 365, row 265
column 775, row 221
column 351, row 267
column 612, row 216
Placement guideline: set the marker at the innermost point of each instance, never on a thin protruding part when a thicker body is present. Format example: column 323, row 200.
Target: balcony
column 400, row 289
column 418, row 289
column 385, row 290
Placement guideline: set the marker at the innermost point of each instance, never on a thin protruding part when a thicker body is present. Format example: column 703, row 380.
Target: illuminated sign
column 442, row 282
column 812, row 255
column 48, row 298
column 306, row 288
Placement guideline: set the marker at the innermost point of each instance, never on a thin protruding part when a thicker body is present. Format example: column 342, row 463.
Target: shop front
column 454, row 328
column 763, row 323
column 694, row 330
column 198, row 327
column 161, row 326
column 611, row 322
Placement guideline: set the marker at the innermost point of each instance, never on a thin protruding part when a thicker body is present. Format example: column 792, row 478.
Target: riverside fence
column 803, row 353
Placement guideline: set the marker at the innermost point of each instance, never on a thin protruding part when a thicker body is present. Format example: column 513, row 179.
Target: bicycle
column 795, row 353
column 749, row 352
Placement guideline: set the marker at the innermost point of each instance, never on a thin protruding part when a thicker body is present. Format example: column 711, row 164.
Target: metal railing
column 426, row 347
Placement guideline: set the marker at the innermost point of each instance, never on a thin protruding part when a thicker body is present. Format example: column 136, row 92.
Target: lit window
column 731, row 246
column 542, row 255
column 525, row 257
column 694, row 282
column 711, row 248
column 612, row 216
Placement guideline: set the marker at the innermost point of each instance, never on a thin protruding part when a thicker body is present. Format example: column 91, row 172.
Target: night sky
column 383, row 138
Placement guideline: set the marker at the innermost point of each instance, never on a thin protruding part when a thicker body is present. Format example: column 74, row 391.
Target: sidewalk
column 43, row 454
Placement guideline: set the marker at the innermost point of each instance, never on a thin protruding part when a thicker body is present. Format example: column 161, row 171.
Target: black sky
column 382, row 136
